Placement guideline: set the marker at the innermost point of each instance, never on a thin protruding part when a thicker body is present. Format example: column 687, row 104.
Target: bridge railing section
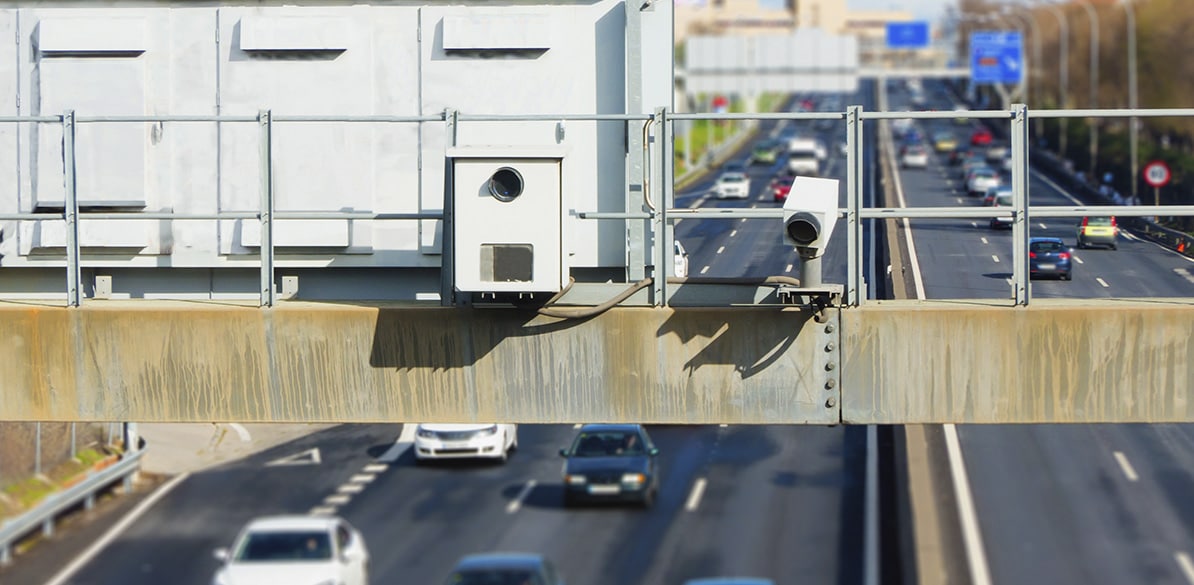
column 657, row 209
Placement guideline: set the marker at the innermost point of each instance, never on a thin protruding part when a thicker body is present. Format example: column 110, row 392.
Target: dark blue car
column 1049, row 257
column 613, row 462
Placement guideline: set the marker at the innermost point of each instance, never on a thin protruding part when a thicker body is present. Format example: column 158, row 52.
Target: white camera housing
column 810, row 212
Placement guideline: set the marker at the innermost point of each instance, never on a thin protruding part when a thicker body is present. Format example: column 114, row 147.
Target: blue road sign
column 908, row 35
column 996, row 57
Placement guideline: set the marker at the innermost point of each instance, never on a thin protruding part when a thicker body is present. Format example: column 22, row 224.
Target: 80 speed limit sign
column 1156, row 173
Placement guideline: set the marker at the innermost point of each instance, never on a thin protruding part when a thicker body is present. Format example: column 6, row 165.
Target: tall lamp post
column 1093, row 16
column 1063, row 62
column 1133, row 97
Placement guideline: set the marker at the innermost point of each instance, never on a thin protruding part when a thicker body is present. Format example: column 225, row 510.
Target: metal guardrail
column 658, row 182
column 45, row 513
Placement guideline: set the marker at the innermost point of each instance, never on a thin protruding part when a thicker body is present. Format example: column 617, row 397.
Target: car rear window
column 1046, row 247
column 1098, row 221
column 285, row 546
column 1003, row 200
column 495, row 577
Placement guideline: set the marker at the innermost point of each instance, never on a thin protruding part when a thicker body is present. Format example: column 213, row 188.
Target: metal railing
column 658, row 208
column 48, row 511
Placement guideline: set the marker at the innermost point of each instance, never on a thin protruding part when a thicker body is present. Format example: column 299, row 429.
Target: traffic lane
column 1156, row 460
column 174, row 540
column 1060, row 509
column 783, row 503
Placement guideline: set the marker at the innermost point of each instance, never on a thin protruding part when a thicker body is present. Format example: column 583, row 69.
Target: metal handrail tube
column 175, row 118
column 760, row 116
column 938, row 115
column 554, row 117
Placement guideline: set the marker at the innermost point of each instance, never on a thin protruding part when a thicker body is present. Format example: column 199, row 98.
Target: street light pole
column 1133, row 97
column 1093, row 16
column 1064, row 82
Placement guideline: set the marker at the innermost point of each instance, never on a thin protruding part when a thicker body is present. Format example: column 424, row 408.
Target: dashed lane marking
column 362, row 478
column 1183, row 561
column 694, row 497
column 350, row 488
column 1126, row 466
column 704, row 270
column 336, row 500
column 375, row 468
column 1102, row 282
column 995, row 258
column 322, row 511
column 1182, row 272
column 985, row 241
column 516, row 503
column 1078, row 260
column 721, row 249
column 789, row 268
column 733, row 233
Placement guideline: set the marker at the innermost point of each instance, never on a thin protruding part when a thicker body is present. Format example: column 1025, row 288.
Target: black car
column 611, row 462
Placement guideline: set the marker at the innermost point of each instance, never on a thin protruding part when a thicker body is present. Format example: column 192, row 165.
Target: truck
column 803, row 157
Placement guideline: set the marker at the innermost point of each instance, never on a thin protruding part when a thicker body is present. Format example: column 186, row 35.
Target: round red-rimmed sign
column 1157, row 173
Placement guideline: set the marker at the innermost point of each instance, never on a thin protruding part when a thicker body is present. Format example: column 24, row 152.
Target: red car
column 781, row 186
column 981, row 137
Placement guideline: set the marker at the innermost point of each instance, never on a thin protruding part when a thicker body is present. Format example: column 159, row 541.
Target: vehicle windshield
column 802, row 153
column 285, row 546
column 1046, row 247
column 608, row 444
column 495, row 577
column 1003, row 200
column 733, row 178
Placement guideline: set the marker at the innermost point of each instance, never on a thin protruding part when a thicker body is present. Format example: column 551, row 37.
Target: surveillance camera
column 810, row 213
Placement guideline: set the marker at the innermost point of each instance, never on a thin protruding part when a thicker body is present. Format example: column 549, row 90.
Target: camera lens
column 505, row 184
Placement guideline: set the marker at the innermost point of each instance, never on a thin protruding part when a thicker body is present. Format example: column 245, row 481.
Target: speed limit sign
column 1156, row 173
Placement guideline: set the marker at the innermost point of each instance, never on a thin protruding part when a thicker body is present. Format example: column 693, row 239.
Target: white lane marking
column 350, row 488
column 336, row 500
column 995, row 258
column 974, row 224
column 789, row 268
column 733, row 233
column 113, row 533
column 704, row 270
column 1102, row 282
column 721, row 249
column 694, row 497
column 871, row 515
column 375, row 468
column 1183, row 561
column 980, row 574
column 985, row 240
column 1078, row 260
column 1009, row 281
column 960, row 200
column 322, row 511
column 1043, row 226
column 723, row 425
column 744, row 219
column 308, row 457
column 577, row 426
column 363, row 478
column 1182, row 272
column 405, row 439
column 1126, row 466
column 241, row 432
column 899, row 185
column 516, row 503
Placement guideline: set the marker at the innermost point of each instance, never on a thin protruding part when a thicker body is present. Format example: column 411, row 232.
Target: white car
column 732, row 185
column 456, row 441
column 681, row 259
column 296, row 550
column 980, row 180
column 915, row 156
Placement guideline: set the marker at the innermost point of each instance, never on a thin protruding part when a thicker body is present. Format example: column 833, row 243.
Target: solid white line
column 985, row 241
column 1183, row 561
column 241, row 432
column 1126, row 466
column 721, row 249
column 516, row 503
column 1078, row 260
column 694, row 497
column 899, row 185
column 995, row 258
column 980, row 574
column 115, row 532
column 1102, row 282
column 871, row 502
column 733, row 233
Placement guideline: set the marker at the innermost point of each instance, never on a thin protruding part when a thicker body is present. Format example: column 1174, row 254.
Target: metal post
column 266, row 123
column 855, row 283
column 810, row 272
column 73, row 438
column 1093, row 16
column 664, row 260
column 1133, row 97
column 447, row 265
column 71, row 211
column 1064, row 82
column 637, row 251
column 1019, row 140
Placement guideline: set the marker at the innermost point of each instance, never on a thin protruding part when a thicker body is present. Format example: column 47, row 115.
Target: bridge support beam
column 884, row 362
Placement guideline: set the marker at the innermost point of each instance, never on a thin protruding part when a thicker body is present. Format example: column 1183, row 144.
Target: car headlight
column 426, row 434
column 573, row 479
column 633, row 478
column 487, row 431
